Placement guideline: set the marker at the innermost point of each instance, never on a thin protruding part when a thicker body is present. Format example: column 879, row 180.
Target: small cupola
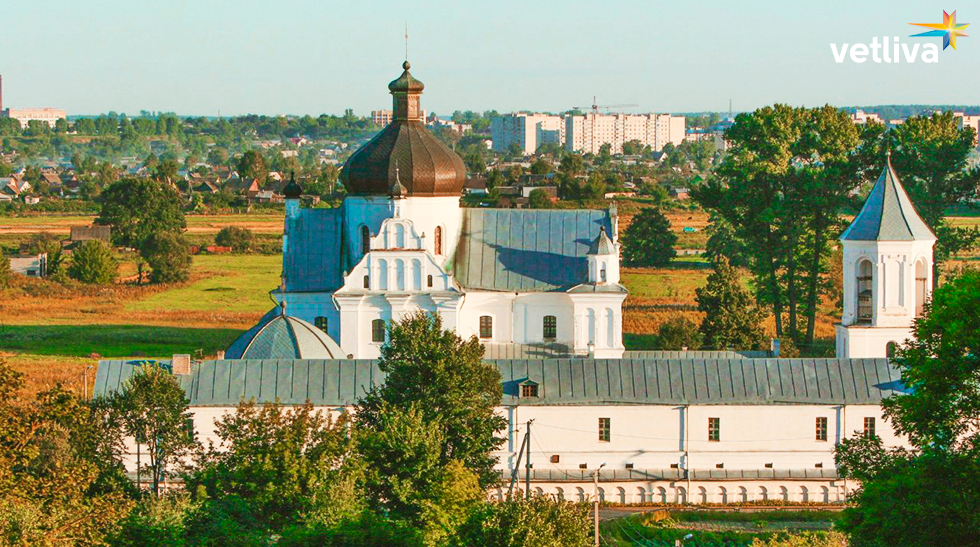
column 603, row 258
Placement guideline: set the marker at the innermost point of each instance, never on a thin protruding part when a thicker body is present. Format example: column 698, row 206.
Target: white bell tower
column 887, row 271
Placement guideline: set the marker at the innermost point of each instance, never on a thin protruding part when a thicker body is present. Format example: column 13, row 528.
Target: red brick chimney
column 181, row 364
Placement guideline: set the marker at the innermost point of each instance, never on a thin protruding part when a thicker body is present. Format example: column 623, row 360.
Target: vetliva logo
column 894, row 52
column 886, row 51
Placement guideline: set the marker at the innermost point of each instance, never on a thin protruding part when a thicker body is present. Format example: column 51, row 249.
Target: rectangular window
column 869, row 426
column 555, row 458
column 320, row 323
column 378, row 330
column 604, row 429
column 821, row 429
column 714, row 429
column 529, row 390
column 486, row 326
column 550, row 327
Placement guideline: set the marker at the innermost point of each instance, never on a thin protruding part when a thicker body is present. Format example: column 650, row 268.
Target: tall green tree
column 93, row 263
column 730, row 316
column 168, row 255
column 443, row 378
column 785, row 176
column 138, row 208
column 648, row 240
column 252, row 165
column 154, row 412
column 931, row 156
column 929, row 495
column 539, row 199
column 4, row 270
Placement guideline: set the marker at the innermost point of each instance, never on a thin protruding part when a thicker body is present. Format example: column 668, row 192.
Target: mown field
column 53, row 332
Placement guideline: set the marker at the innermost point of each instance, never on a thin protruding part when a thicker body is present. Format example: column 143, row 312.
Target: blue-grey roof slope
column 530, row 250
column 560, row 381
column 888, row 214
column 312, row 259
column 279, row 336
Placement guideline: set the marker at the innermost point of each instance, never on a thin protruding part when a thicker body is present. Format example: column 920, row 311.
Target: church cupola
column 603, row 258
column 405, row 152
column 888, row 262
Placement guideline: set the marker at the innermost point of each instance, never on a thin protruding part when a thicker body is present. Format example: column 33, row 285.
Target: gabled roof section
column 312, row 260
column 560, row 381
column 533, row 250
column 888, row 214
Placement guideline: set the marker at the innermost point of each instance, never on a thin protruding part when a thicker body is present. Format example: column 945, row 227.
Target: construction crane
column 595, row 107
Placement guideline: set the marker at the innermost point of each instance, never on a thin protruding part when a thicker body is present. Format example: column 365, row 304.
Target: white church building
column 541, row 290
column 523, row 281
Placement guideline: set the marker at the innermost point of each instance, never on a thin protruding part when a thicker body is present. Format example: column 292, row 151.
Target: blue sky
column 314, row 56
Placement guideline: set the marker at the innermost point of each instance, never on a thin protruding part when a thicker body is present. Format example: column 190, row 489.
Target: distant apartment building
column 861, row 117
column 528, row 131
column 970, row 121
column 589, row 132
column 23, row 116
column 382, row 118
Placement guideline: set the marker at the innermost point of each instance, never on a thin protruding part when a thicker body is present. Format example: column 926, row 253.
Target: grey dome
column 278, row 336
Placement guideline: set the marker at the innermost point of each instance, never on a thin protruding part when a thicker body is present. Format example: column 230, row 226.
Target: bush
column 539, row 522
column 168, row 256
column 4, row 270
column 240, row 240
column 92, row 263
column 678, row 334
column 648, row 240
column 155, row 522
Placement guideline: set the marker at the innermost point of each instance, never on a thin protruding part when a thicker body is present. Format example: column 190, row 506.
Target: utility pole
column 527, row 463
column 525, row 446
column 595, row 493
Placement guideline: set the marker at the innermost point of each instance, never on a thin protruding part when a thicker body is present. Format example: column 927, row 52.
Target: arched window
column 378, row 330
column 417, row 275
column 602, row 273
column 921, row 286
column 610, row 328
column 864, row 292
column 662, row 494
column 722, row 494
column 400, row 274
column 559, row 494
column 702, row 494
column 399, row 236
column 383, row 275
column 890, row 349
column 365, row 240
column 784, row 493
column 580, row 493
column 824, row 494
column 367, row 282
column 804, row 494
column 641, row 495
column 743, row 494
column 592, row 326
column 763, row 493
column 550, row 328
column 437, row 241
column 429, row 281
column 486, row 327
column 681, row 496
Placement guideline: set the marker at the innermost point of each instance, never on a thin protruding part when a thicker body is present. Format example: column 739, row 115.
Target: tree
column 931, row 154
column 92, row 262
column 731, row 318
column 239, row 239
column 787, row 173
column 137, row 208
column 539, row 199
column 929, row 495
column 722, row 242
column 541, row 166
column 284, row 463
column 680, row 333
column 538, row 522
column 436, row 378
column 168, row 256
column 252, row 166
column 494, row 179
column 4, row 270
column 648, row 240
column 154, row 412
column 572, row 165
column 61, row 477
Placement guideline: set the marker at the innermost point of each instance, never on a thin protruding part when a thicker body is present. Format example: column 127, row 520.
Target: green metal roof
column 561, row 381
column 526, row 249
column 888, row 214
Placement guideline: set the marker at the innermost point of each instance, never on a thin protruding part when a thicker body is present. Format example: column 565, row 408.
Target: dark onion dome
column 292, row 190
column 279, row 336
column 405, row 153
